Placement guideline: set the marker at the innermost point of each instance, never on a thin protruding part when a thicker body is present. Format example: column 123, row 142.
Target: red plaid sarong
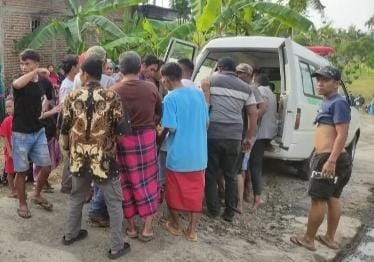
column 137, row 160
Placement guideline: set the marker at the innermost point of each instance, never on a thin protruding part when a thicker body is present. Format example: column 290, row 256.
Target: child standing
column 6, row 133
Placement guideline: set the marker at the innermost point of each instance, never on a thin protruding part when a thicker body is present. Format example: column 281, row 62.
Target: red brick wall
column 16, row 17
column 15, row 22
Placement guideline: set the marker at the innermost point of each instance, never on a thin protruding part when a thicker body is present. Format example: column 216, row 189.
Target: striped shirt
column 229, row 95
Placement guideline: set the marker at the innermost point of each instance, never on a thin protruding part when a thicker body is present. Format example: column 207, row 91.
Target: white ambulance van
column 289, row 67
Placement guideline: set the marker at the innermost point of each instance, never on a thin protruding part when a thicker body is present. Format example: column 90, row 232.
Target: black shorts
column 325, row 188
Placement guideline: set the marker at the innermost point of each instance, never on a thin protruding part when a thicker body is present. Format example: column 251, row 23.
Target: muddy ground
column 260, row 236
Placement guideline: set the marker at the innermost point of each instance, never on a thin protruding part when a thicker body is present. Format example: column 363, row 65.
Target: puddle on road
column 365, row 250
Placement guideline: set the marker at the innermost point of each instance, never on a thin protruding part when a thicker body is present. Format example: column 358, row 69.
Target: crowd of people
column 134, row 135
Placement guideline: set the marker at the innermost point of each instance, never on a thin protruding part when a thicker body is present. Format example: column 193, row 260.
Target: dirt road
column 263, row 236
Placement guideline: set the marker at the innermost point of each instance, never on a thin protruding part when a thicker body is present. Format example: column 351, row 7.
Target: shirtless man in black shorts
column 331, row 165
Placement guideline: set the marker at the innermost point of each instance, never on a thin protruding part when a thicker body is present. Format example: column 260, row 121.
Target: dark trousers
column 255, row 164
column 223, row 155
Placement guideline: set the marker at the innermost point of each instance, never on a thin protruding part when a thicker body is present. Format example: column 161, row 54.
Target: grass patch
column 364, row 85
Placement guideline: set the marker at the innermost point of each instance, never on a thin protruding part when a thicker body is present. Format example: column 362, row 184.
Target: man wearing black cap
column 228, row 96
column 331, row 165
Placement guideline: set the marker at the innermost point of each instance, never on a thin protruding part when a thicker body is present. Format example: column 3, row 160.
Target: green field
column 364, row 85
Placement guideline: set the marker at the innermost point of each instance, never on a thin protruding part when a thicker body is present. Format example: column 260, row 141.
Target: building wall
column 15, row 22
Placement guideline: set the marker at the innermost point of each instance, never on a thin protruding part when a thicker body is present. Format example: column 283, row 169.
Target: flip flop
column 323, row 241
column 81, row 235
column 126, row 249
column 24, row 213
column 43, row 203
column 131, row 235
column 188, row 236
column 145, row 239
column 296, row 240
column 176, row 232
column 12, row 196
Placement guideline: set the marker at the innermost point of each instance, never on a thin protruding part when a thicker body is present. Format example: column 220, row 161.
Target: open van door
column 288, row 97
column 178, row 49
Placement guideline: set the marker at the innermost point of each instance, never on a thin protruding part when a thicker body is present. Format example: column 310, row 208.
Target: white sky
column 342, row 13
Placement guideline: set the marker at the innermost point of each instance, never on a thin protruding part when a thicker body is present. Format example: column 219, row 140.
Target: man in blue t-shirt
column 185, row 116
column 331, row 165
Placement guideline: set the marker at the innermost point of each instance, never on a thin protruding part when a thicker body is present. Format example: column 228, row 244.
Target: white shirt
column 66, row 87
column 105, row 82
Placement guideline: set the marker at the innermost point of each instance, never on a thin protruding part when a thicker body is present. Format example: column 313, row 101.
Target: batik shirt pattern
column 90, row 117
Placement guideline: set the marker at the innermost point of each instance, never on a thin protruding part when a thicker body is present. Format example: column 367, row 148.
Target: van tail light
column 298, row 119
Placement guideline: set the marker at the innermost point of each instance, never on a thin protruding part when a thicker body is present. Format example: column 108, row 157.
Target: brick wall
column 15, row 22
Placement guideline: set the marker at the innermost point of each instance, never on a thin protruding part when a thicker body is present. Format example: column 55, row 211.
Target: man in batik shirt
column 90, row 119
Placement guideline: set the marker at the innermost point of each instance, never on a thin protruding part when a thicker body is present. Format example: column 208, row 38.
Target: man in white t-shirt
column 70, row 65
column 99, row 53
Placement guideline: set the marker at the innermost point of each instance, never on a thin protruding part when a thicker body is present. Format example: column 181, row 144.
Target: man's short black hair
column 68, row 62
column 129, row 63
column 226, row 64
column 172, row 70
column 262, row 79
column 186, row 63
column 30, row 54
column 150, row 60
column 93, row 67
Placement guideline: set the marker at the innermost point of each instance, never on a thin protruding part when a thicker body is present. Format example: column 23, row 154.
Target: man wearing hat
column 228, row 96
column 331, row 165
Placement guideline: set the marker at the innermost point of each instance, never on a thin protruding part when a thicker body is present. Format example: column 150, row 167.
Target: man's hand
column 246, row 144
column 43, row 72
column 328, row 169
column 205, row 86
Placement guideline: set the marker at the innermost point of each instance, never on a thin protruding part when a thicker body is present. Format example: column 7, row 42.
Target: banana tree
column 87, row 21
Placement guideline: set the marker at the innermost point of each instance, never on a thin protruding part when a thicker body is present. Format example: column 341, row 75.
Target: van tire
column 351, row 148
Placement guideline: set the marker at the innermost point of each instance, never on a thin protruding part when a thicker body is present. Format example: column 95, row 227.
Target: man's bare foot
column 23, row 211
column 190, row 235
column 257, row 203
column 302, row 242
column 324, row 240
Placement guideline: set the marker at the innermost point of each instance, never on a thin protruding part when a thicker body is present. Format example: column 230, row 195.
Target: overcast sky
column 342, row 13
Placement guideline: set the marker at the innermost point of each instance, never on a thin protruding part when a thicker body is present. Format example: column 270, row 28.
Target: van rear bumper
column 293, row 153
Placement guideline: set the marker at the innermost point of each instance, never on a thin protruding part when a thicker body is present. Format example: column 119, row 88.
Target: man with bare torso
column 331, row 165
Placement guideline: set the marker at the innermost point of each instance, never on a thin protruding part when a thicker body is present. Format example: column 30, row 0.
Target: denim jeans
column 98, row 207
column 223, row 155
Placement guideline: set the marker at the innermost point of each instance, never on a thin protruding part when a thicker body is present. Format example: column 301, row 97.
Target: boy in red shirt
column 6, row 133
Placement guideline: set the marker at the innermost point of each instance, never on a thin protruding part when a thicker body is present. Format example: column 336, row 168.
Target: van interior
column 266, row 62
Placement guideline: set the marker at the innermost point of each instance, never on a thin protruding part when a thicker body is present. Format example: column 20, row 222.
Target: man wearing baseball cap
column 331, row 165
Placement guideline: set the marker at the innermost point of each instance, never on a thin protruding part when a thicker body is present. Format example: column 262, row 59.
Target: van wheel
column 351, row 148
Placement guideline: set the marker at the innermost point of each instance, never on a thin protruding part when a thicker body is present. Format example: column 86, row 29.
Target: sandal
column 298, row 241
column 24, row 213
column 145, row 239
column 43, row 203
column 172, row 230
column 81, row 235
column 189, row 237
column 323, row 241
column 119, row 253
column 130, row 234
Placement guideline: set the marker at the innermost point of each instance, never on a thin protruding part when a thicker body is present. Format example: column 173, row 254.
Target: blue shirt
column 186, row 111
column 334, row 110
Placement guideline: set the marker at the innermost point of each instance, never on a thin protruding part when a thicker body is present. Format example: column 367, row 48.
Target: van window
column 308, row 84
column 206, row 69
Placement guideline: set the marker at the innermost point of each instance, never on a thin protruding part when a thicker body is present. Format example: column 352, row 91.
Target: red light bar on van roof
column 322, row 50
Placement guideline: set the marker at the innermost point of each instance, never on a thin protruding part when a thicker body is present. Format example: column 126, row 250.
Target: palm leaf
column 72, row 4
column 208, row 16
column 283, row 14
column 181, row 32
column 46, row 33
column 197, row 8
column 74, row 26
column 124, row 42
column 106, row 25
